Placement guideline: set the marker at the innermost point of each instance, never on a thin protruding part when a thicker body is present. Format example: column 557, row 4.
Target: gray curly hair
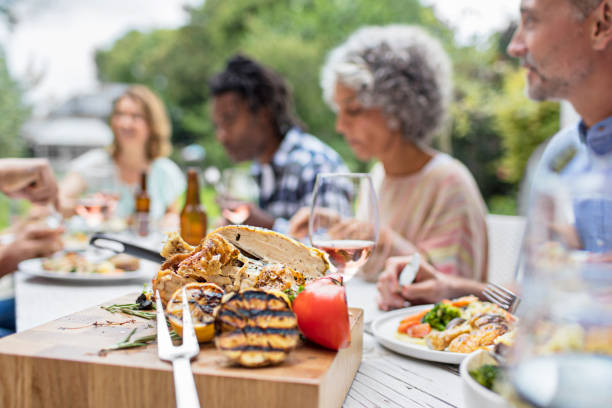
column 399, row 69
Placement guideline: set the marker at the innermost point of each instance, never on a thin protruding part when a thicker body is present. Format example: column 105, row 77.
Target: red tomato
column 322, row 313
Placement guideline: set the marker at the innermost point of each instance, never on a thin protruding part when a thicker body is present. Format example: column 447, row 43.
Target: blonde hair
column 158, row 142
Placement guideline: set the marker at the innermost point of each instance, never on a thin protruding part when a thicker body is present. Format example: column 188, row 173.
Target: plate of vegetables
column 445, row 332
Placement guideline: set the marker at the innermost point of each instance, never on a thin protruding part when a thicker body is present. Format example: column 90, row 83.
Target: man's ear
column 602, row 26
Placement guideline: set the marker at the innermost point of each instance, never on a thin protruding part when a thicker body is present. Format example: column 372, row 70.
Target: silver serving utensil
column 180, row 356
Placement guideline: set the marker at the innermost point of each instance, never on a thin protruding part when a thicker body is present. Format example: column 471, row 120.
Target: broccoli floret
column 485, row 375
column 440, row 315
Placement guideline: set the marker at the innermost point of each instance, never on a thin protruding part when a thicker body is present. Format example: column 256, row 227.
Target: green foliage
column 493, row 128
column 291, row 36
column 523, row 126
column 13, row 113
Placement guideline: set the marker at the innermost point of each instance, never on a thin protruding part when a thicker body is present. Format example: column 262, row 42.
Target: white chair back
column 505, row 240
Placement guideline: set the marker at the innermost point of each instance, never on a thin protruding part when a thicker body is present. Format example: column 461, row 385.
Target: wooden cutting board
column 57, row 365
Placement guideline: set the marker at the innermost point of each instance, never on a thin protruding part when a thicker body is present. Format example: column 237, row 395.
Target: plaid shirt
column 287, row 183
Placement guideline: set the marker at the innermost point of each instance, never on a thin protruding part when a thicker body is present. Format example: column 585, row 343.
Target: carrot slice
column 403, row 327
column 415, row 317
column 419, row 330
column 464, row 301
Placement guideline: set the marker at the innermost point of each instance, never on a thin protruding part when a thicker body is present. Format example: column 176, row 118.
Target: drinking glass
column 237, row 186
column 563, row 351
column 343, row 219
column 99, row 200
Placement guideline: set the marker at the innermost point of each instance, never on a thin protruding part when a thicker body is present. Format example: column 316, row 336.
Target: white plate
column 385, row 327
column 34, row 267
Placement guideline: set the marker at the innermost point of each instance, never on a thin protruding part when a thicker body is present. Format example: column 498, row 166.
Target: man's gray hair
column 398, row 68
column 585, row 7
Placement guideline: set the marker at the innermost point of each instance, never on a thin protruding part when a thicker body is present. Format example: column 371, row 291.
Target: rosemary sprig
column 140, row 342
column 131, row 309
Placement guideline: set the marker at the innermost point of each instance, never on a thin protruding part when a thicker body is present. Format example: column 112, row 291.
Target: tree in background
column 13, row 113
column 291, row 36
column 493, row 129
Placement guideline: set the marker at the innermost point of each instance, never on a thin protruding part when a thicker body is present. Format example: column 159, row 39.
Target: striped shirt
column 439, row 211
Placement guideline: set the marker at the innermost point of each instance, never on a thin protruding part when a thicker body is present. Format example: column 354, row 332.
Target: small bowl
column 474, row 394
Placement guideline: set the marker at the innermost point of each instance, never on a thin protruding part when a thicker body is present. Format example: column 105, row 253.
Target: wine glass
column 99, row 200
column 237, row 186
column 343, row 219
column 563, row 351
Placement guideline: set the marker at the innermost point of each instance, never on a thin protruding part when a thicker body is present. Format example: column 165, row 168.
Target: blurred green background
column 493, row 129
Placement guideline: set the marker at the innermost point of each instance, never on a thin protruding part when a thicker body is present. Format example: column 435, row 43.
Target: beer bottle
column 143, row 203
column 193, row 216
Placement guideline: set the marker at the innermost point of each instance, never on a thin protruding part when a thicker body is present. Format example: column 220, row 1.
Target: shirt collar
column 598, row 138
column 281, row 156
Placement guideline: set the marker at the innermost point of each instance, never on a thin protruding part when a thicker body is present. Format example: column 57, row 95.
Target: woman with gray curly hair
column 391, row 87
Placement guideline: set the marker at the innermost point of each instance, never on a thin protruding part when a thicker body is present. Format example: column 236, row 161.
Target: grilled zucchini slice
column 256, row 328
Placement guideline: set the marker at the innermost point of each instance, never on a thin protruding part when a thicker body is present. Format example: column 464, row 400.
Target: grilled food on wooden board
column 238, row 258
column 255, row 325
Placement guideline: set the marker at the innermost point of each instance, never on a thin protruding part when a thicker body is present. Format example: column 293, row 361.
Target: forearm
column 8, row 260
column 459, row 286
column 395, row 244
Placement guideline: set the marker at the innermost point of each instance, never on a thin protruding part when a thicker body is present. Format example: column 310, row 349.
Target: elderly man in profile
column 566, row 47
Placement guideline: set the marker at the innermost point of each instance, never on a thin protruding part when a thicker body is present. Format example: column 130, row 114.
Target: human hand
column 33, row 241
column 298, row 224
column 32, row 179
column 240, row 212
column 389, row 293
column 430, row 285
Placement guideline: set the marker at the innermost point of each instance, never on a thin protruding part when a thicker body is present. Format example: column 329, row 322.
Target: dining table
column 384, row 378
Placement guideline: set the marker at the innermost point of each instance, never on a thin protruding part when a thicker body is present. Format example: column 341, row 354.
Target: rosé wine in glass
column 343, row 220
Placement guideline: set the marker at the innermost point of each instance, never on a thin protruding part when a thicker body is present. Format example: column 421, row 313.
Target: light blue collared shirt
column 578, row 151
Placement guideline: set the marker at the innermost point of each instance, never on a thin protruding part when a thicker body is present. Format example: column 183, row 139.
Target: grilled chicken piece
column 256, row 328
column 484, row 336
column 167, row 282
column 437, row 340
column 175, row 245
column 278, row 277
column 174, row 262
column 240, row 258
column 487, row 318
column 216, row 261
column 272, row 247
